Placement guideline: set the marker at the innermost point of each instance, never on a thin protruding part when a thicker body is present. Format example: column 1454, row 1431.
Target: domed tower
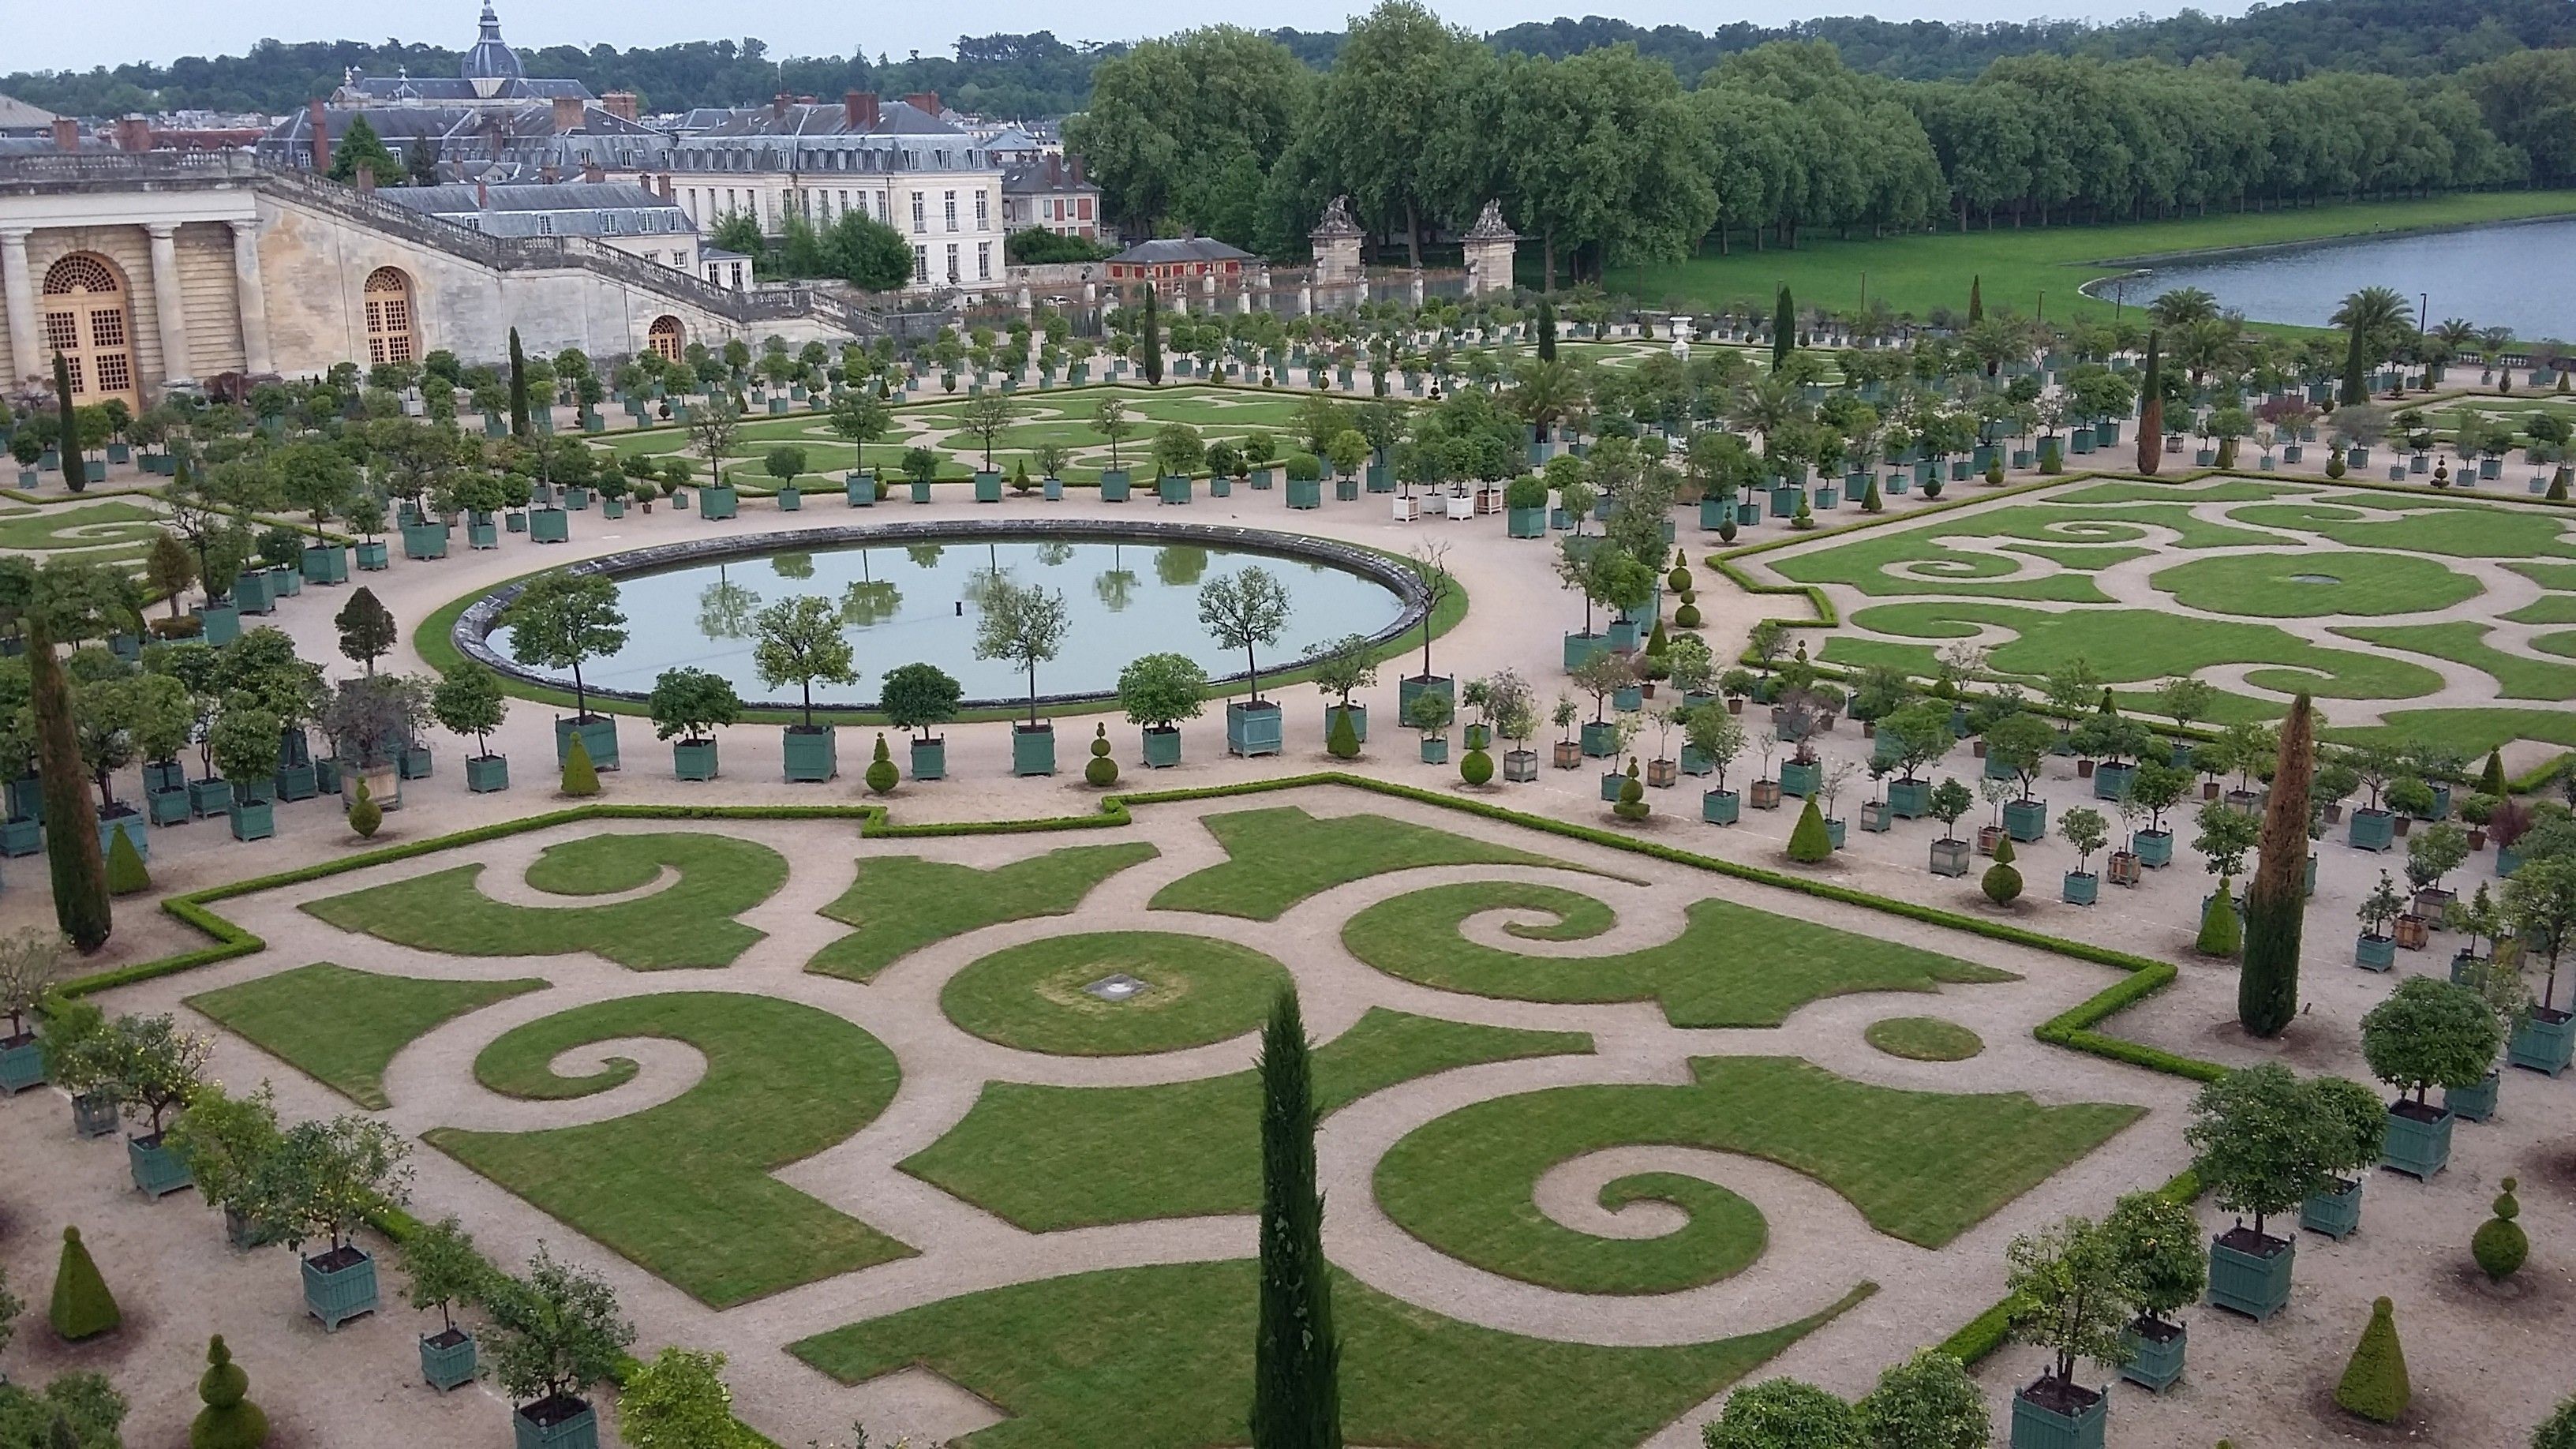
column 491, row 63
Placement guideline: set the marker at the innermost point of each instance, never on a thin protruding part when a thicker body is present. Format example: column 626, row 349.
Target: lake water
column 2495, row 276
column 902, row 603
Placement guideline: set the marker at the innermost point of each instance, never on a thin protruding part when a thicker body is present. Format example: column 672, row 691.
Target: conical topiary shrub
column 125, row 873
column 229, row 1420
column 1342, row 742
column 2001, row 882
column 82, row 1306
column 2500, row 1244
column 2374, row 1382
column 881, row 774
column 1101, row 770
column 1869, row 499
column 2221, row 934
column 1808, row 842
column 366, row 816
column 2491, row 780
column 580, row 776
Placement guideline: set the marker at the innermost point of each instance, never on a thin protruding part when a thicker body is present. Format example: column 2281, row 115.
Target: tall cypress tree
column 1296, row 1358
column 66, row 603
column 75, row 470
column 1547, row 329
column 2151, row 409
column 1784, row 329
column 518, row 387
column 2276, row 901
column 2356, row 382
column 1976, row 299
column 1152, row 361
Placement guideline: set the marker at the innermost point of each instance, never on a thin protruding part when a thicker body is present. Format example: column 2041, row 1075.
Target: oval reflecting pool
column 916, row 599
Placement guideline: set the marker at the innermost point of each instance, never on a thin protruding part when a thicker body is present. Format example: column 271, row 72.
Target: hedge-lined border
column 434, row 640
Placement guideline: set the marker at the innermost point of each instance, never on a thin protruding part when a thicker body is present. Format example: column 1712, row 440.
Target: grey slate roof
column 1165, row 250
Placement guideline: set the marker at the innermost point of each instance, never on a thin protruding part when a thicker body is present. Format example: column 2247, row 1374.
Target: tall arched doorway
column 389, row 317
column 665, row 338
column 86, row 321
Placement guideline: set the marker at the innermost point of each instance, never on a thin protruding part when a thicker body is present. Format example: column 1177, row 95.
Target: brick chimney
column 859, row 111
column 1076, row 163
column 133, row 133
column 366, row 180
column 778, row 106
column 317, row 121
column 1055, row 173
column 569, row 114
column 624, row 105
column 926, row 102
column 66, row 134
column 591, row 172
column 549, row 174
column 482, row 195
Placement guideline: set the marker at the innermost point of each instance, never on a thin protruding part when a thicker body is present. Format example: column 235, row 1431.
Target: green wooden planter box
column 550, row 525
column 298, row 782
column 1525, row 522
column 1600, row 739
column 2371, row 830
column 2335, row 1213
column 424, row 541
column 252, row 819
column 343, row 1290
column 1033, row 749
column 135, row 826
column 209, row 797
column 2417, row 1145
column 929, row 757
column 2026, row 819
column 93, row 1114
column 1612, row 782
column 1254, row 729
column 693, row 759
column 486, row 774
column 1720, row 807
column 2474, row 1104
column 167, row 807
column 2254, row 1284
column 222, row 622
column 1359, row 720
column 326, row 563
column 2112, row 782
column 719, row 502
column 2155, row 848
column 22, row 836
column 1162, row 747
column 416, row 763
column 576, row 499
column 2155, row 1354
column 2035, row 1426
column 988, row 487
column 1801, row 779
column 575, row 1431
column 22, row 1064
column 1628, row 700
column 447, row 1364
column 2081, row 888
column 1172, row 490
column 598, row 735
column 1909, row 799
column 2543, row 1046
column 1305, row 493
column 1114, row 485
column 251, row 595
column 860, row 491
column 158, row 1171
column 1695, row 761
column 2374, row 953
column 516, row 520
column 486, row 534
column 1580, row 649
column 812, row 756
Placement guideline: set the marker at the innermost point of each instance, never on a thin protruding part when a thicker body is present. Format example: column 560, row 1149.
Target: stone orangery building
column 154, row 269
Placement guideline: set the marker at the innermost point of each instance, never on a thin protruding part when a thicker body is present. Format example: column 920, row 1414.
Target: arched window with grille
column 390, row 336
column 85, row 319
column 665, row 338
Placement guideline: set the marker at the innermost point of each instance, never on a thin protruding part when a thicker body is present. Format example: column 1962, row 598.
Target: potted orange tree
column 2428, row 1033
column 325, row 1180
column 555, row 1333
column 2072, row 1297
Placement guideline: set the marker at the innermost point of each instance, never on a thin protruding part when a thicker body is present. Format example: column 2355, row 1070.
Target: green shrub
column 881, row 774
column 229, row 1420
column 1343, row 741
column 2221, row 934
column 2335, row 467
column 2001, row 882
column 1994, row 472
column 2491, row 779
column 82, row 1306
column 1926, row 1402
column 1869, row 499
column 2558, row 1431
column 2500, row 1244
column 1687, row 616
column 2374, row 1381
column 125, row 873
column 1679, row 580
column 1632, row 805
column 1781, row 1414
column 1808, row 842
column 1477, row 768
column 366, row 816
column 580, row 776
column 1100, row 770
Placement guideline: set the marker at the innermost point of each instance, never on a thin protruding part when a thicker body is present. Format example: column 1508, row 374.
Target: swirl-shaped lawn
column 2315, row 585
column 1731, row 965
column 683, row 1189
column 1921, row 1166
column 1196, row 990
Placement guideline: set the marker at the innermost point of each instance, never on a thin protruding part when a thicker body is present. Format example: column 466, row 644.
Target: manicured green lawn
column 2315, row 585
column 1161, row 1358
column 2132, row 646
column 1280, row 856
column 90, row 527
column 2461, row 528
column 2517, row 676
column 1197, row 990
column 2547, row 609
column 2470, row 731
column 1921, row 1166
column 1731, row 965
column 688, row 923
column 2013, row 268
column 901, row 903
column 341, row 1027
column 2105, row 534
column 1047, row 1158
column 2114, row 491
column 1923, row 1039
column 683, row 1189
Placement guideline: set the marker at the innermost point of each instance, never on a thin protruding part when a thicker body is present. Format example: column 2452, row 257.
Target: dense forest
column 1037, row 75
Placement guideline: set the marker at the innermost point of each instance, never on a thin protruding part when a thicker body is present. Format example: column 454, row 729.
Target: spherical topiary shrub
column 881, row 775
column 1679, row 580
column 2500, row 1244
column 2002, row 883
column 366, row 817
column 1726, row 530
column 1478, row 768
column 1687, row 616
column 1102, row 770
column 229, row 1420
column 1995, row 472
column 2335, row 463
column 2374, row 1380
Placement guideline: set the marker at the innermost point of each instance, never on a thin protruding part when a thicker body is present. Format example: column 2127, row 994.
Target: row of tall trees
column 1604, row 156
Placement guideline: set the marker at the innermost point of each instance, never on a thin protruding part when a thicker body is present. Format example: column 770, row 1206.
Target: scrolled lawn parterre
column 1731, row 965
column 2315, row 584
column 342, row 1027
column 1278, row 857
column 683, row 1189
column 901, row 903
column 1923, row 1039
column 1162, row 1356
column 688, row 923
column 1033, row 996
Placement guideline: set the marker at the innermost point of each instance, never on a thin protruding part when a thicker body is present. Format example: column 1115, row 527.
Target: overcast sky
column 60, row 36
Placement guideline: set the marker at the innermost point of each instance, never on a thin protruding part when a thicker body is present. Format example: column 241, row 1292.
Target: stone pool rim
column 471, row 633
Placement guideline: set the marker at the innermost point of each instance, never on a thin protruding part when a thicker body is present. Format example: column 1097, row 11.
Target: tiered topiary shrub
column 2001, row 882
column 229, row 1420
column 2500, row 1245
column 1101, row 771
column 881, row 774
